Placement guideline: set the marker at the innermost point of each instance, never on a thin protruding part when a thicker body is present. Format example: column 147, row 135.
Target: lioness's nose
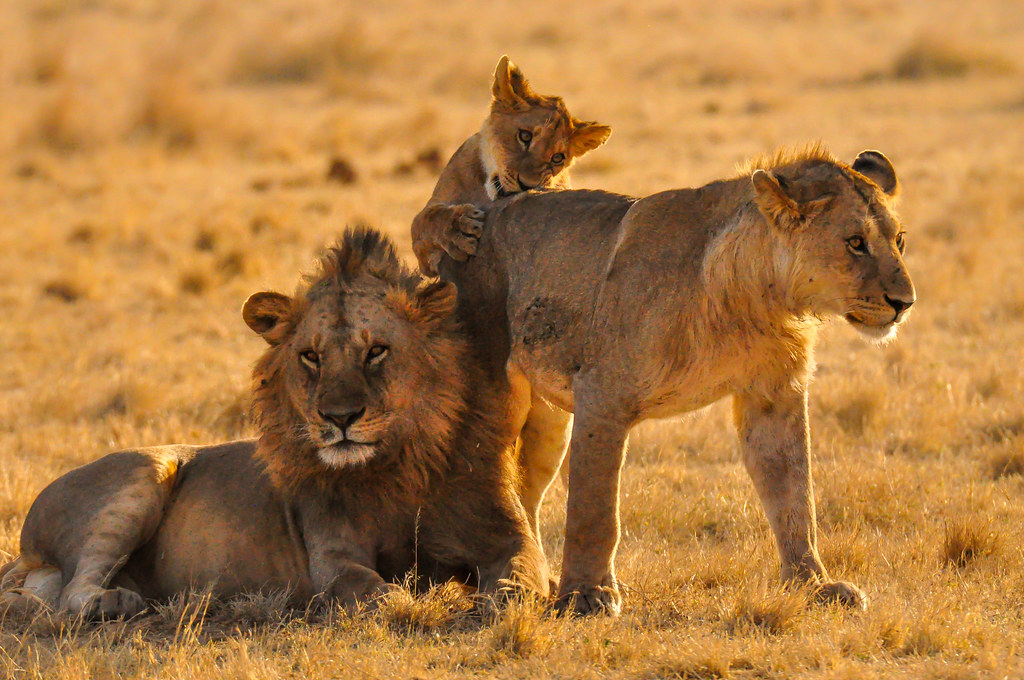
column 899, row 305
column 343, row 417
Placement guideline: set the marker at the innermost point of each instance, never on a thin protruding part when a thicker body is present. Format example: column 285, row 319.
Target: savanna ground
column 161, row 161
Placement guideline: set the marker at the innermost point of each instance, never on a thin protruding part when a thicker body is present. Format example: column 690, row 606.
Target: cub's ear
column 267, row 314
column 436, row 300
column 876, row 167
column 777, row 204
column 510, row 89
column 587, row 136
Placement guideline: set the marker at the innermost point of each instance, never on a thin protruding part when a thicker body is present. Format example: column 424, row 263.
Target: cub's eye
column 310, row 360
column 558, row 158
column 376, row 355
column 525, row 136
column 901, row 242
column 857, row 245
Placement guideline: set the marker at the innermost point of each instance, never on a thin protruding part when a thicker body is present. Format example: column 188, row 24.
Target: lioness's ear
column 436, row 300
column 266, row 313
column 510, row 88
column 775, row 204
column 587, row 136
column 876, row 167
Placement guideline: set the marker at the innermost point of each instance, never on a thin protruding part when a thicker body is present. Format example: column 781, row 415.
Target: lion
column 620, row 309
column 528, row 141
column 378, row 450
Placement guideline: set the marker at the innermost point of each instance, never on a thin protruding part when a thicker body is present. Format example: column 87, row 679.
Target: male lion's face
column 848, row 241
column 529, row 139
column 358, row 362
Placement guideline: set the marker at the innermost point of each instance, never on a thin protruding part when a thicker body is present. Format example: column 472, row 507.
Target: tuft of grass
column 194, row 282
column 770, row 610
column 967, row 539
column 1006, row 463
column 64, row 290
column 442, row 607
column 937, row 57
column 302, row 54
column 519, row 632
column 859, row 413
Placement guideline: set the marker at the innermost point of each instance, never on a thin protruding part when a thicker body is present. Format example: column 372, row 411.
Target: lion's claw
column 843, row 593
column 590, row 601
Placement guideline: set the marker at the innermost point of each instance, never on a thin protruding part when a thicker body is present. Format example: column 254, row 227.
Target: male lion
column 527, row 141
column 622, row 309
column 378, row 450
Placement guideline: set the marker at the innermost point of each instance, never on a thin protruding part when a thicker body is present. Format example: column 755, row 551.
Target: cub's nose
column 899, row 305
column 343, row 417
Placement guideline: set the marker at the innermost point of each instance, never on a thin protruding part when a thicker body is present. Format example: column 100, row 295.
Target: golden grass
column 163, row 161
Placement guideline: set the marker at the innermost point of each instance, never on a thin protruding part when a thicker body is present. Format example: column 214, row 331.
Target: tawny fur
column 439, row 490
column 497, row 161
column 621, row 309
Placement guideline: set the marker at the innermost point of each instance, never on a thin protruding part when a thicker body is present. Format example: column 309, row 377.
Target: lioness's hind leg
column 543, row 442
column 30, row 586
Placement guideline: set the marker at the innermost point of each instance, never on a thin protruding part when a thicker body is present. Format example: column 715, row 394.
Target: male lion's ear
column 876, row 167
column 587, row 136
column 266, row 313
column 510, row 88
column 436, row 300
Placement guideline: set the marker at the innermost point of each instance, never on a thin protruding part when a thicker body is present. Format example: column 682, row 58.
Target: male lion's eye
column 901, row 242
column 558, row 158
column 525, row 136
column 310, row 359
column 857, row 245
column 376, row 355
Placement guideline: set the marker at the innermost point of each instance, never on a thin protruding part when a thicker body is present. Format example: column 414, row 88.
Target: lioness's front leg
column 444, row 228
column 775, row 446
column 596, row 454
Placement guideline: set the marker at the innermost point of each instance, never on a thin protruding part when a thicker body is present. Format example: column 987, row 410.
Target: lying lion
column 528, row 141
column 379, row 448
column 622, row 309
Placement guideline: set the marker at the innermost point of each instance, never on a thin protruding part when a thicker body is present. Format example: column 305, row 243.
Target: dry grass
column 162, row 161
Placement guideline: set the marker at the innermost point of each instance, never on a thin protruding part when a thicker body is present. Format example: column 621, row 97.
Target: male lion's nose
column 899, row 305
column 343, row 417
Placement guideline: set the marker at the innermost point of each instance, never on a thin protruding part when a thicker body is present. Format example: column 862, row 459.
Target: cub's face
column 361, row 365
column 529, row 140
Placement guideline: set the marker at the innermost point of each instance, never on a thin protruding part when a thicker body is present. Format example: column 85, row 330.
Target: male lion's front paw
column 463, row 234
column 590, row 601
column 843, row 593
column 110, row 604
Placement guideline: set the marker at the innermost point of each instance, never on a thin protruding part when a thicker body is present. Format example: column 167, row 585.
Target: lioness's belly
column 224, row 528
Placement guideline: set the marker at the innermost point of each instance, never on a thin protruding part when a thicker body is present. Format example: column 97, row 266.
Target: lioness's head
column 363, row 363
column 528, row 138
column 846, row 244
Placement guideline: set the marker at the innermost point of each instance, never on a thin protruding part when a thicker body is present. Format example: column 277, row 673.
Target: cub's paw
column 840, row 592
column 463, row 233
column 590, row 601
column 109, row 604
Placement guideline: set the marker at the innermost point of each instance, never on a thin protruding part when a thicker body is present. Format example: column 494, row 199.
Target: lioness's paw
column 590, row 601
column 843, row 593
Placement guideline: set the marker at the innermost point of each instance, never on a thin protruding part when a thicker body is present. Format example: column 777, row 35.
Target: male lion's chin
column 346, row 454
column 879, row 334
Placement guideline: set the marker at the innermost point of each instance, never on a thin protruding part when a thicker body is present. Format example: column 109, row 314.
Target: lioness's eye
column 857, row 245
column 310, row 359
column 376, row 355
column 901, row 242
column 525, row 136
column 558, row 158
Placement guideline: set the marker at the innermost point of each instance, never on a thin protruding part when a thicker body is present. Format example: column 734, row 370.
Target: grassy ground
column 161, row 161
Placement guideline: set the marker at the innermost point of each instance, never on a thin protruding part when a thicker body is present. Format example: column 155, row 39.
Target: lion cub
column 528, row 141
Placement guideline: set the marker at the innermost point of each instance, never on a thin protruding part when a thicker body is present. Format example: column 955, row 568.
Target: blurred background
column 160, row 161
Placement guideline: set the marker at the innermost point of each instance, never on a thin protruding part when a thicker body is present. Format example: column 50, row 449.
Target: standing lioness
column 621, row 309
